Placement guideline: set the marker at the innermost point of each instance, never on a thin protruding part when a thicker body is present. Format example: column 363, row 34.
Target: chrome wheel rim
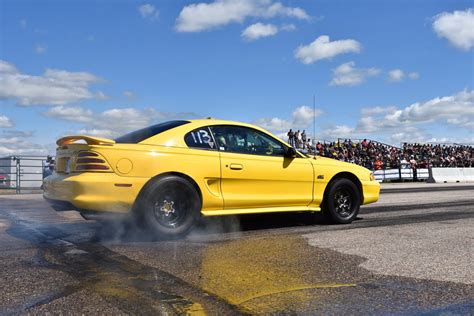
column 343, row 203
column 168, row 212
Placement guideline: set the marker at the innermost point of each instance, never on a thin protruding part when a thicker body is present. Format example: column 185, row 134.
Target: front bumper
column 371, row 191
column 92, row 191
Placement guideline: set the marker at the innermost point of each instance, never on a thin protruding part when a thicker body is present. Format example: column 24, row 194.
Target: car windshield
column 147, row 132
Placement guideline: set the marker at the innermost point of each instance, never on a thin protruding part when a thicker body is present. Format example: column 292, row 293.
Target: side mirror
column 290, row 152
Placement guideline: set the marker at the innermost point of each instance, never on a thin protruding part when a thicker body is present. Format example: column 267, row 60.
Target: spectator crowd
column 376, row 156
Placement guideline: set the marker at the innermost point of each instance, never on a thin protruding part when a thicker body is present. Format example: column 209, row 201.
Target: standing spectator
column 291, row 137
column 308, row 146
column 48, row 167
column 298, row 139
column 413, row 167
column 303, row 138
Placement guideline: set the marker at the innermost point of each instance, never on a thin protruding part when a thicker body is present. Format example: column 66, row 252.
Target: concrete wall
column 444, row 175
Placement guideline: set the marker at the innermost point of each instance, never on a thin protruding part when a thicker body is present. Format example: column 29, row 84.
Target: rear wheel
column 342, row 202
column 169, row 207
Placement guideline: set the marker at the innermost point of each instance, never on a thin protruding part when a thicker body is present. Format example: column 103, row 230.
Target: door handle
column 236, row 166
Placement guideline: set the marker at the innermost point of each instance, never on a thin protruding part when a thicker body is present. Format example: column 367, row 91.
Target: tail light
column 90, row 161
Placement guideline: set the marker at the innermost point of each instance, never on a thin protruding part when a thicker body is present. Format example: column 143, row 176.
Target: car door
column 255, row 172
column 203, row 163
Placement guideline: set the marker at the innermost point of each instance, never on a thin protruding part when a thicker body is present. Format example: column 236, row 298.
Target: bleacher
column 410, row 161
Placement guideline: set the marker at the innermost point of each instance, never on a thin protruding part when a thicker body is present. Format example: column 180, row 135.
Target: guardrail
column 401, row 174
column 21, row 172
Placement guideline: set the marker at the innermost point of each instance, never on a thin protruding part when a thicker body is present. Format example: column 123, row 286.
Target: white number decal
column 202, row 137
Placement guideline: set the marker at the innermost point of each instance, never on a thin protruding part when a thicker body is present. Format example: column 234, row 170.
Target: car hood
column 320, row 161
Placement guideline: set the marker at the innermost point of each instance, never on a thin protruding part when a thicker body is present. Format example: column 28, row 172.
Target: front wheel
column 169, row 207
column 342, row 202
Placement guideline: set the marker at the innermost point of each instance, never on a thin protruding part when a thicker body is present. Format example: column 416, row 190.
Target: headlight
column 372, row 177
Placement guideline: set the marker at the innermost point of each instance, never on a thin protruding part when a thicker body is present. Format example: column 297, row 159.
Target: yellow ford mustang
column 169, row 174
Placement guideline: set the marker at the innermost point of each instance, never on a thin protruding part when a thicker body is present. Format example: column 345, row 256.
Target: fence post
column 18, row 173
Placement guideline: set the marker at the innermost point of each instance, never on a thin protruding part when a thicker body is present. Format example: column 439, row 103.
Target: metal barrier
column 401, row 174
column 22, row 172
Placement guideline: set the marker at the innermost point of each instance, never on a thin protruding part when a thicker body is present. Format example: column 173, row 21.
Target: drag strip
column 411, row 207
column 427, row 188
column 410, row 253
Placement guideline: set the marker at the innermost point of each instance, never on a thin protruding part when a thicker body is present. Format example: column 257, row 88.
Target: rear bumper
column 60, row 206
column 92, row 191
column 371, row 191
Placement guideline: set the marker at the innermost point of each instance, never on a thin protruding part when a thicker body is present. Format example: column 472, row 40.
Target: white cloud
column 406, row 124
column 337, row 131
column 414, row 75
column 148, row 11
column 348, row 75
column 288, row 27
column 18, row 143
column 41, row 48
column 23, row 148
column 302, row 117
column 457, row 106
column 203, row 16
column 129, row 94
column 409, row 134
column 54, row 87
column 112, row 122
column 377, row 110
column 259, row 30
column 396, row 75
column 74, row 114
column 274, row 124
column 277, row 8
column 5, row 121
column 323, row 48
column 7, row 68
column 457, row 27
column 98, row 132
column 17, row 133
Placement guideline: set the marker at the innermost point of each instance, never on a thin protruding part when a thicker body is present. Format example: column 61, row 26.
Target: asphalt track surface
column 409, row 254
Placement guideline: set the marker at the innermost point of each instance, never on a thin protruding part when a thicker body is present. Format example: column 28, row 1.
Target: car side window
column 245, row 140
column 200, row 138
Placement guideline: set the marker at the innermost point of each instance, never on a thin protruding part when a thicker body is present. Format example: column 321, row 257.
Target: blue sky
column 388, row 70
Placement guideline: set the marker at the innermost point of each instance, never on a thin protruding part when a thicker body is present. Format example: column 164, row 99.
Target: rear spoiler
column 90, row 140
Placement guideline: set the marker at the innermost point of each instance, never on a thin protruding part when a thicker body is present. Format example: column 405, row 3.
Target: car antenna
column 314, row 126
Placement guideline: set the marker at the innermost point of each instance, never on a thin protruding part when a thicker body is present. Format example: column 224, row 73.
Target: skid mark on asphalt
column 286, row 275
column 302, row 288
column 131, row 286
column 276, row 273
column 242, row 270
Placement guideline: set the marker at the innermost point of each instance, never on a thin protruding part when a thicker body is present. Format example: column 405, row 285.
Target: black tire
column 342, row 202
column 169, row 207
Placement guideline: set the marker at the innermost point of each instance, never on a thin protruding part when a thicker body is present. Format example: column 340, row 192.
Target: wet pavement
column 409, row 254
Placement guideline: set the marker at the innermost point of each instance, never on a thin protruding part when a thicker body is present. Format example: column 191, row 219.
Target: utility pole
column 314, row 125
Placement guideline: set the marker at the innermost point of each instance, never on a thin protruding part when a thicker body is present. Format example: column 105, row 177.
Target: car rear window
column 147, row 132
